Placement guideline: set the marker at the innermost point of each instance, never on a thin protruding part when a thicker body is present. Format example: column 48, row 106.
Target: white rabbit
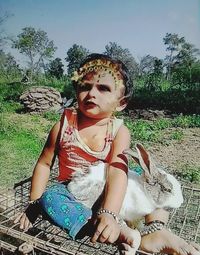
column 154, row 188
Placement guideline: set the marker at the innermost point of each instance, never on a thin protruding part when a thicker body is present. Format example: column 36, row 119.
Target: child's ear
column 121, row 104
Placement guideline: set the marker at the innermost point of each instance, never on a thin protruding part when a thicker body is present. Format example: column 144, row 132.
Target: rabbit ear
column 129, row 152
column 145, row 160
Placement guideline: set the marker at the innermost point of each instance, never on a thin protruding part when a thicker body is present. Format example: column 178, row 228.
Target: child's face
column 98, row 95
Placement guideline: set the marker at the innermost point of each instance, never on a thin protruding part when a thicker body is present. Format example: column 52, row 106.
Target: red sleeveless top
column 73, row 153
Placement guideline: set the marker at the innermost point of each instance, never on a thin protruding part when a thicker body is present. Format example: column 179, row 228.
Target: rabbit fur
column 155, row 188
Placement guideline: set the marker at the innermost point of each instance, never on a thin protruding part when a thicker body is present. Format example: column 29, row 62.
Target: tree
column 36, row 45
column 75, row 55
column 186, row 59
column 146, row 65
column 56, row 68
column 117, row 52
column 3, row 36
column 151, row 70
column 181, row 53
column 8, row 66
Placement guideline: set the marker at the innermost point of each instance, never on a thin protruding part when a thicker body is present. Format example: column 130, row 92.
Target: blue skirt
column 62, row 208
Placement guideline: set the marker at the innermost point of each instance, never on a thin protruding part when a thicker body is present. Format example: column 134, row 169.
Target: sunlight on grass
column 22, row 138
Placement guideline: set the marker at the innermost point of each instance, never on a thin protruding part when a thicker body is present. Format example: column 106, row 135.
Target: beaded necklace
column 71, row 136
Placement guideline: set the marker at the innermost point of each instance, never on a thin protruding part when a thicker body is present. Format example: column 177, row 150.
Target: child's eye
column 104, row 88
column 84, row 86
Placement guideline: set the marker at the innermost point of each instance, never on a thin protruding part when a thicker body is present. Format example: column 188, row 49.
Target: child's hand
column 28, row 217
column 24, row 221
column 107, row 229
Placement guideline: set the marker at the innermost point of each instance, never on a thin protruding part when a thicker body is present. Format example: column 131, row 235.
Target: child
column 85, row 137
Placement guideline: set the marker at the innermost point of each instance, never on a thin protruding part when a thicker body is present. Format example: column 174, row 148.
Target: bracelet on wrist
column 119, row 220
column 151, row 227
column 30, row 202
column 33, row 202
column 102, row 210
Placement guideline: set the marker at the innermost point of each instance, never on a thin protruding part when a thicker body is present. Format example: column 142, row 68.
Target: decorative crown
column 99, row 65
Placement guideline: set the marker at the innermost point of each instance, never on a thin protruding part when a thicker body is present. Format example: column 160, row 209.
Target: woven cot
column 45, row 238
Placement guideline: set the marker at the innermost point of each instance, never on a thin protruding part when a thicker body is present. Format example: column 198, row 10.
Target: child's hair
column 91, row 63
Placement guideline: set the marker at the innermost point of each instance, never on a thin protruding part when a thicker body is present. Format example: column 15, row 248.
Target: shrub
column 12, row 91
column 176, row 100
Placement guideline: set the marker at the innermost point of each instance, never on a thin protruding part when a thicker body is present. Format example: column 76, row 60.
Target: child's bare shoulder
column 53, row 134
column 123, row 130
column 55, row 129
column 123, row 135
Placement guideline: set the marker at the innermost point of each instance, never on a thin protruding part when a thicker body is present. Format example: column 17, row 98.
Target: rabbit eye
column 169, row 190
column 151, row 182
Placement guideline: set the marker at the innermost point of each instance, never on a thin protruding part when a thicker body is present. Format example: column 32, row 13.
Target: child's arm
column 116, row 184
column 42, row 169
column 41, row 173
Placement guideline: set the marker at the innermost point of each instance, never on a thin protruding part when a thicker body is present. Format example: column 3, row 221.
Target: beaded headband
column 99, row 65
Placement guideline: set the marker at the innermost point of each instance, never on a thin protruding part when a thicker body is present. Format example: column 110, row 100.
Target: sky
column 139, row 25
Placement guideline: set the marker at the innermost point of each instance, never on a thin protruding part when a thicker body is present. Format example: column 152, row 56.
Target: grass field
column 23, row 135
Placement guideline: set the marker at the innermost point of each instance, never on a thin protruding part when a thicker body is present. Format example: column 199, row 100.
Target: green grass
column 189, row 173
column 22, row 137
column 177, row 135
column 152, row 131
column 18, row 154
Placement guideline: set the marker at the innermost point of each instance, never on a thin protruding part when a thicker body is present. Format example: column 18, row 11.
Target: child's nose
column 92, row 91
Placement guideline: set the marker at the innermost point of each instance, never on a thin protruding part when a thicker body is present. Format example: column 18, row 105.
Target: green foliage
column 12, row 91
column 177, row 135
column 49, row 81
column 117, row 52
column 181, row 54
column 9, row 69
column 51, row 116
column 6, row 106
column 152, row 131
column 22, row 138
column 56, row 68
column 189, row 121
column 190, row 173
column 141, row 131
column 68, row 90
column 63, row 85
column 161, row 124
column 150, row 65
column 178, row 88
column 175, row 87
column 23, row 135
column 75, row 55
column 172, row 83
column 176, row 100
column 36, row 46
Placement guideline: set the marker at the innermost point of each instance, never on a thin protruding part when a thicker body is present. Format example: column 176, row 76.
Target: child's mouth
column 89, row 103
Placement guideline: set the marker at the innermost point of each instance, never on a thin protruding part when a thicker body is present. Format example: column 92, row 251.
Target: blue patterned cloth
column 138, row 170
column 61, row 206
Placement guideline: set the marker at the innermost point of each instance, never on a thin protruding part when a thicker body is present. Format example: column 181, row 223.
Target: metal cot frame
column 45, row 238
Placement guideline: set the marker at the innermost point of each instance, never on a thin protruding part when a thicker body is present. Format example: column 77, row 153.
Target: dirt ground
column 179, row 154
